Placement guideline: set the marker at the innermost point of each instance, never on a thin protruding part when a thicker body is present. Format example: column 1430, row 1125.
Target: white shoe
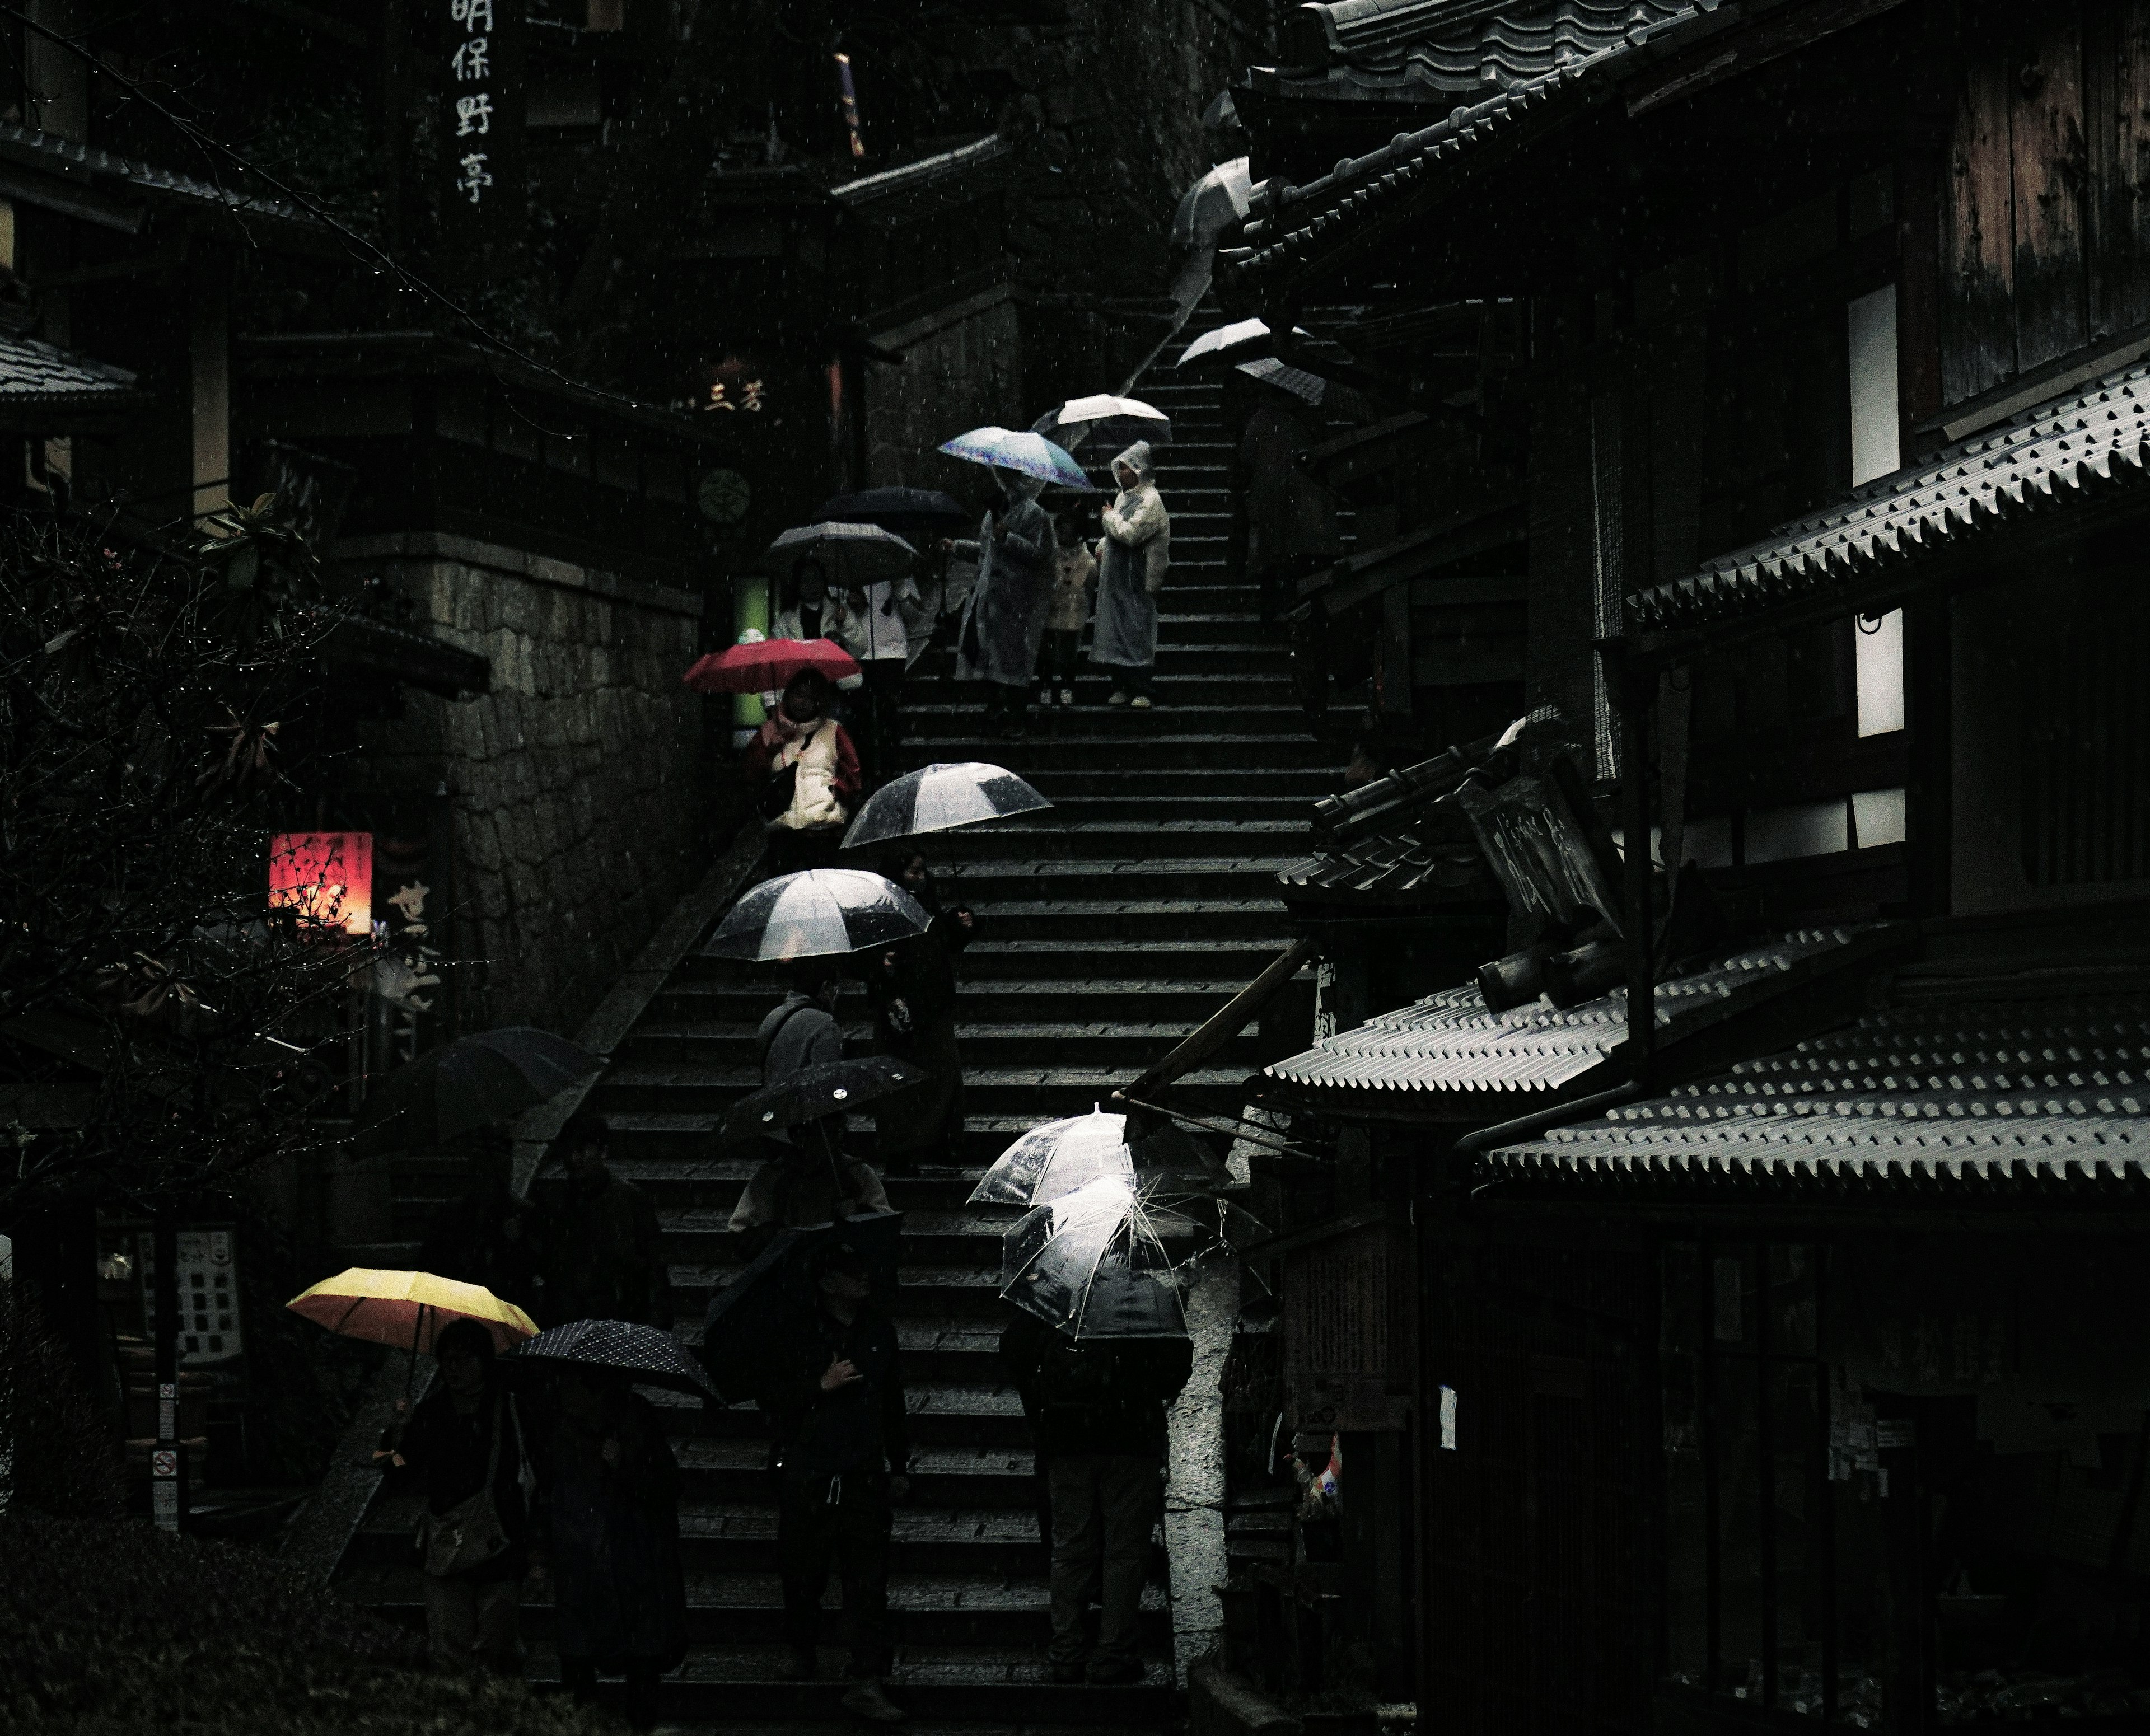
column 1139, row 702
column 1067, row 696
column 867, row 1700
column 1117, row 699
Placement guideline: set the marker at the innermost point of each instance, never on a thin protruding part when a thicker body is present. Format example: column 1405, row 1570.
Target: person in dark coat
column 841, row 1450
column 604, row 1251
column 913, row 986
column 1096, row 1415
column 488, row 1234
column 466, row 1436
column 609, row 1521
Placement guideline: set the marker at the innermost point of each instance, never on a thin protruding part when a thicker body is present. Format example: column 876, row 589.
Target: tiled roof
column 1423, row 51
column 36, row 376
column 70, row 160
column 1532, row 64
column 1389, row 867
column 2089, row 442
column 1935, row 1100
column 1450, row 1042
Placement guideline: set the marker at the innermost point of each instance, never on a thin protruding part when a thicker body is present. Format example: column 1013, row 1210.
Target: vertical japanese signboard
column 481, row 130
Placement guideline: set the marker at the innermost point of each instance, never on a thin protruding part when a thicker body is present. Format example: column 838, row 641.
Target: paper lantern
column 326, row 876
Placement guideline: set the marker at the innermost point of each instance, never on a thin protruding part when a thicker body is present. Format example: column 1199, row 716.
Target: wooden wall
column 2046, row 227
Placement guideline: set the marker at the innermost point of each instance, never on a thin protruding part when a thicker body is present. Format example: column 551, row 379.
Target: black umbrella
column 645, row 1355
column 832, row 1088
column 753, row 1314
column 916, row 514
column 470, row 1082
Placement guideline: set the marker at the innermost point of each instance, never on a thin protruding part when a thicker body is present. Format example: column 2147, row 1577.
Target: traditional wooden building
column 1747, row 1252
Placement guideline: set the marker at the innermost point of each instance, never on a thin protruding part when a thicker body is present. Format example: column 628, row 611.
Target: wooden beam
column 1222, row 1026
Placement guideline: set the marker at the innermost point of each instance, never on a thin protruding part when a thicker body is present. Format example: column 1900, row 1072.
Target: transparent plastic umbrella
column 816, row 913
column 938, row 798
column 1058, row 1158
column 1093, row 1263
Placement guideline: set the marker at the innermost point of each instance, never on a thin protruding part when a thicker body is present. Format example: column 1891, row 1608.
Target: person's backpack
column 1075, row 1375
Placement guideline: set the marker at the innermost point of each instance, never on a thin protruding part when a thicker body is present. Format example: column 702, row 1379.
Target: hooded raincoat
column 1004, row 621
column 1133, row 556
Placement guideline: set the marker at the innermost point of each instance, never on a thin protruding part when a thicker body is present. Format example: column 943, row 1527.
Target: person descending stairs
column 1108, row 927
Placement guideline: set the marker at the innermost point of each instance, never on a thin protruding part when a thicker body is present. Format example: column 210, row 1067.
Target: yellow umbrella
column 408, row 1308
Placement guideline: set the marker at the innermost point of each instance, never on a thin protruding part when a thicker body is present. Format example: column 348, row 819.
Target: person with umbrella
column 1096, row 1408
column 606, row 1252
column 810, row 612
column 609, row 1528
column 913, row 986
column 809, row 771
column 1004, row 621
column 842, row 1450
column 1133, row 557
column 488, row 1234
column 465, row 1447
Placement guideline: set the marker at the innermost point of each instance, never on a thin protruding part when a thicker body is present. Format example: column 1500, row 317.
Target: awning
column 2084, row 448
column 47, row 391
column 1443, row 1056
column 1937, row 1103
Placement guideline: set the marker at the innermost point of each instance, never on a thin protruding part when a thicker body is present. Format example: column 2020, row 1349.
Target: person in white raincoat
column 1004, row 621
column 883, row 616
column 1133, row 557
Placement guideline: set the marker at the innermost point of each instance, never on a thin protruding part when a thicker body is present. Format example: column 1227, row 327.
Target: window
column 1875, row 422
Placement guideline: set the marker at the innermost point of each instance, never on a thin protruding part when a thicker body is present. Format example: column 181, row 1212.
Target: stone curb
column 1221, row 1703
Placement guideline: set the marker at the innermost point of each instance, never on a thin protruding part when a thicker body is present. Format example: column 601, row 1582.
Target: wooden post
column 1631, row 690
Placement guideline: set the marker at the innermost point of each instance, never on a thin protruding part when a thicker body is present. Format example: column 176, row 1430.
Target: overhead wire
column 214, row 150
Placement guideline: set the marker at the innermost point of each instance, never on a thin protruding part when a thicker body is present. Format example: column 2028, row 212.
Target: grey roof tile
column 70, row 159
column 2089, row 440
column 34, row 375
column 1957, row 1096
column 1450, row 1042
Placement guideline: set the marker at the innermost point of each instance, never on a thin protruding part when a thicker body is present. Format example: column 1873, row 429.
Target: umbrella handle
column 411, row 1373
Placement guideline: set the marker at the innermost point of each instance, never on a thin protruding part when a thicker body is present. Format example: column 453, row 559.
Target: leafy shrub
column 112, row 1628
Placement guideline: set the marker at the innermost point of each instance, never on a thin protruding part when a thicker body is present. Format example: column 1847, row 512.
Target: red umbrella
column 767, row 665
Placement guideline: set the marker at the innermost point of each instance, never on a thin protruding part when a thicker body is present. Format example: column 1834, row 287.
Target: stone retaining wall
column 578, row 785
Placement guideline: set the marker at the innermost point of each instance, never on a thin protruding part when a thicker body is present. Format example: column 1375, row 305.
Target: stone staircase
column 1108, row 928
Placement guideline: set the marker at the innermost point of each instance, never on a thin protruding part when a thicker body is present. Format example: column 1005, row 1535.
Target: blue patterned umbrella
column 1030, row 455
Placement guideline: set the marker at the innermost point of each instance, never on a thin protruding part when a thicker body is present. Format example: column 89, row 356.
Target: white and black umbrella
column 850, row 554
column 646, row 1357
column 939, row 798
column 1118, row 421
column 1212, row 205
column 817, row 913
column 1232, row 343
column 1093, row 1263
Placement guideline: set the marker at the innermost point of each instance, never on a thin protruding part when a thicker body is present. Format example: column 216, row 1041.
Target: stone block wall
column 578, row 785
column 962, row 368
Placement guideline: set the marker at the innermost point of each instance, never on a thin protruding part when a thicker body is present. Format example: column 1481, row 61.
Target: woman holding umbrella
column 465, row 1444
column 1004, row 621
column 810, row 773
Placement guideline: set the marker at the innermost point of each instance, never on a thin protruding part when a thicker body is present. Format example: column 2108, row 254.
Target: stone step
column 734, row 1608
column 1057, row 835
column 1042, row 1092
column 1171, row 746
column 1097, row 719
column 980, row 999
column 1116, row 1041
column 1214, row 780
